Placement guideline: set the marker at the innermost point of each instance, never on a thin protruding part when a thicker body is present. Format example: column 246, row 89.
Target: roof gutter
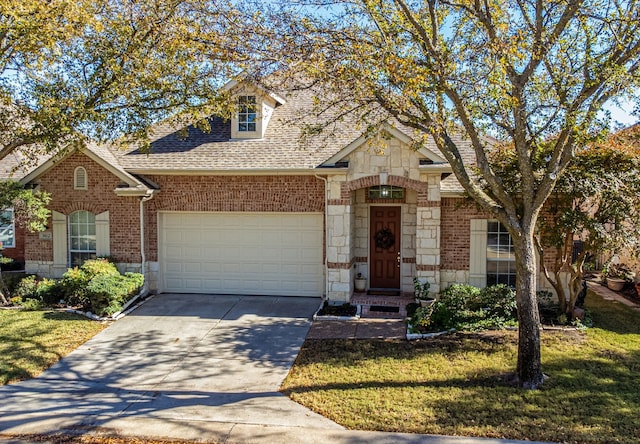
column 312, row 171
column 143, row 257
column 326, row 232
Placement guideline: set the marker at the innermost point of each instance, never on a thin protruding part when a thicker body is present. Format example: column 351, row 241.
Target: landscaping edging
column 414, row 336
column 317, row 317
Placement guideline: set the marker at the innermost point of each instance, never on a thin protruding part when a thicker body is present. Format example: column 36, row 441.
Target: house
column 247, row 208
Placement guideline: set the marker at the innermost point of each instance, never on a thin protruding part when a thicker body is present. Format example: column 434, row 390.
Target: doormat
column 384, row 309
column 384, row 292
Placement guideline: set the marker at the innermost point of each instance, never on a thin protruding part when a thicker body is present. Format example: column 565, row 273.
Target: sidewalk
column 396, row 328
column 610, row 295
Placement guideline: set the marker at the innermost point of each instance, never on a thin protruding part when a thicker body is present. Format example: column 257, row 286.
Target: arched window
column 82, row 237
column 80, row 178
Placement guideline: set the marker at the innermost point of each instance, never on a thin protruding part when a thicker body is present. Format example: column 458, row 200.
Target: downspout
column 326, row 235
column 143, row 257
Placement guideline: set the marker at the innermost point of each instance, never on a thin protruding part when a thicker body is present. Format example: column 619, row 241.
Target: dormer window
column 247, row 113
column 80, row 179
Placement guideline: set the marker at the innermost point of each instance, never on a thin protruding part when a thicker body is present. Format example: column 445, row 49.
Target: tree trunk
column 529, row 368
column 4, row 291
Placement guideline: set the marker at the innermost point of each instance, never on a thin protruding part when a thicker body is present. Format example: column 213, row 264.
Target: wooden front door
column 384, row 248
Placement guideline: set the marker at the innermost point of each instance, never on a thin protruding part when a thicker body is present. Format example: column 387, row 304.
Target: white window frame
column 89, row 233
column 247, row 114
column 501, row 252
column 6, row 228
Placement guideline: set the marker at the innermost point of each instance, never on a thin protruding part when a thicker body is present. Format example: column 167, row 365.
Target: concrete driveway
column 183, row 366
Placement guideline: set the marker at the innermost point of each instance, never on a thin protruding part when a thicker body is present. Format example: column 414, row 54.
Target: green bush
column 46, row 291
column 75, row 281
column 32, row 304
column 26, row 288
column 107, row 293
column 99, row 287
column 451, row 308
column 98, row 267
column 498, row 301
column 464, row 307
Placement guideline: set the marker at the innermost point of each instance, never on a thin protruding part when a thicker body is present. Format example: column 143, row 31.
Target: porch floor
column 382, row 307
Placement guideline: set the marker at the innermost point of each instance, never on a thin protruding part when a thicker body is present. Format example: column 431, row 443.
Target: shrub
column 26, row 288
column 74, row 286
column 32, row 304
column 107, row 293
column 498, row 301
column 421, row 320
column 97, row 267
column 46, row 291
column 450, row 309
column 75, row 281
column 464, row 307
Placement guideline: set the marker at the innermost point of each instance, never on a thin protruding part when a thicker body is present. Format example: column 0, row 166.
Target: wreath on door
column 384, row 238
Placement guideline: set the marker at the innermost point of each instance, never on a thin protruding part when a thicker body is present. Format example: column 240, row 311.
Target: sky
column 622, row 114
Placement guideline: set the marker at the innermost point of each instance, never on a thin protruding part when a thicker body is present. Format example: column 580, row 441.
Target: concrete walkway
column 610, row 295
column 192, row 367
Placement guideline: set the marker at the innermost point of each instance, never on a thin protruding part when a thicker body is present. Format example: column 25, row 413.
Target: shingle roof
column 17, row 164
column 280, row 149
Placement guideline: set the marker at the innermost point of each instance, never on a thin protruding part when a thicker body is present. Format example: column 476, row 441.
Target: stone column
column 428, row 233
column 339, row 241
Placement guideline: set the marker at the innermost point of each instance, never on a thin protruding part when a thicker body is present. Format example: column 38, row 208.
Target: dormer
column 253, row 110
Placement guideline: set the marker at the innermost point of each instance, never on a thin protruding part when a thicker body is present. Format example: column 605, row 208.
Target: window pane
column 500, row 255
column 7, row 232
column 386, row 192
column 82, row 237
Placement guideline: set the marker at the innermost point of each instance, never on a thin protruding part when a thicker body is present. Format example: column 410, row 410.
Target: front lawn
column 31, row 341
column 458, row 385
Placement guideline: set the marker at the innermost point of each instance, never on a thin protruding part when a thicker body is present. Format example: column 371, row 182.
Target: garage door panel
column 242, row 253
column 193, row 268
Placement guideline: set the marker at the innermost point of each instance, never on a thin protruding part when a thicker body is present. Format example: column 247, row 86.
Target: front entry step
column 382, row 307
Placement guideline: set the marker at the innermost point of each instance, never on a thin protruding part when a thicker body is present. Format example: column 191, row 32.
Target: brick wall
column 299, row 194
column 455, row 233
column 124, row 225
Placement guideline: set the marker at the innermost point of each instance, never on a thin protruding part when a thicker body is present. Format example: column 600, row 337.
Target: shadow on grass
column 592, row 394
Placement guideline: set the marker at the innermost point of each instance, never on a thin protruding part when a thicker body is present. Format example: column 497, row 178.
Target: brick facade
column 294, row 194
column 455, row 232
column 124, row 225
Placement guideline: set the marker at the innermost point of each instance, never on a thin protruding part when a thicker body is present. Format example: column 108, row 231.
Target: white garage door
column 242, row 253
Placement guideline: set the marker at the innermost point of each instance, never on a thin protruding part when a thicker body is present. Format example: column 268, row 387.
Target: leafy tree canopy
column 523, row 71
column 77, row 69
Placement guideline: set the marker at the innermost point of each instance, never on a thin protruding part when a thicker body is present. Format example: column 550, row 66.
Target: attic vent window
column 386, row 192
column 247, row 114
column 426, row 162
column 80, row 179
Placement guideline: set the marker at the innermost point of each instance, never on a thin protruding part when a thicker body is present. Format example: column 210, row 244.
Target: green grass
column 458, row 385
column 31, row 341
